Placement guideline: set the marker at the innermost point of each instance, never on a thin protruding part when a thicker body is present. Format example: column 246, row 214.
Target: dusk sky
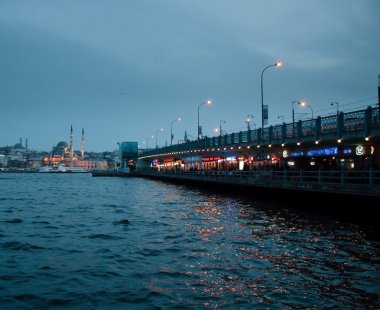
column 124, row 69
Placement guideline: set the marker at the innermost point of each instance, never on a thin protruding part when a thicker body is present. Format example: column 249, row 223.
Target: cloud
column 122, row 69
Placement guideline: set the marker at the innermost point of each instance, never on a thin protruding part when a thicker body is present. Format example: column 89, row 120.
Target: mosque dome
column 60, row 149
column 62, row 144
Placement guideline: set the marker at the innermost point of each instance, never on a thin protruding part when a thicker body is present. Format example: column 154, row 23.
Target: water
column 78, row 242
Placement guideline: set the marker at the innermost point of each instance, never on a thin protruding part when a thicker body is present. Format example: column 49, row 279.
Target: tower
column 71, row 143
column 82, row 149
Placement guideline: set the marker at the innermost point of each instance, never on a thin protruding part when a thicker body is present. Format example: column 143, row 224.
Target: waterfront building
column 128, row 152
column 3, row 160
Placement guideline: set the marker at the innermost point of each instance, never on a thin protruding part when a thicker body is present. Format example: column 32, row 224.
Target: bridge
column 335, row 153
column 343, row 129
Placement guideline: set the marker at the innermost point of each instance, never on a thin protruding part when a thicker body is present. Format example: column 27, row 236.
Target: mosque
column 64, row 154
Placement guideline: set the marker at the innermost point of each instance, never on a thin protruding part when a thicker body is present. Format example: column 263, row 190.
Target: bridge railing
column 368, row 177
column 363, row 121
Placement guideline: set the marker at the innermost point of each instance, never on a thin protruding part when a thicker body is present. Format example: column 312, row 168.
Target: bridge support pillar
column 270, row 134
column 283, row 133
column 339, row 125
column 317, row 128
column 259, row 135
column 367, row 121
column 299, row 130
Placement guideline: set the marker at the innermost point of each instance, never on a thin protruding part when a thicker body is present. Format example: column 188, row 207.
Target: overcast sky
column 124, row 69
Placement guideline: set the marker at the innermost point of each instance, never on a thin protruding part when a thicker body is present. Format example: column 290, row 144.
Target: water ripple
column 77, row 242
column 20, row 246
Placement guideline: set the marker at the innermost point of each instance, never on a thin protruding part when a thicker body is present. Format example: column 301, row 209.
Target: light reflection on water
column 77, row 241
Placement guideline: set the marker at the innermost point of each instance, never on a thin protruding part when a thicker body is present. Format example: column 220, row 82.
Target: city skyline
column 125, row 70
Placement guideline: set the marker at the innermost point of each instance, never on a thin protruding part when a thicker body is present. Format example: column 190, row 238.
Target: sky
column 122, row 70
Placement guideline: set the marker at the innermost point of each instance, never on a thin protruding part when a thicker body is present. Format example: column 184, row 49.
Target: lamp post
column 158, row 130
column 147, row 142
column 277, row 64
column 171, row 130
column 208, row 102
column 293, row 102
column 337, row 106
column 220, row 127
column 304, row 104
column 248, row 120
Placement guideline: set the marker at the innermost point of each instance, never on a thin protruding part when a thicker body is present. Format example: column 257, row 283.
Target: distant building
column 128, row 152
column 92, row 164
column 64, row 154
column 3, row 160
column 34, row 163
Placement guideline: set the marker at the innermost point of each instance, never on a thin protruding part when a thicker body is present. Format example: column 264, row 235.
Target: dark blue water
column 78, row 242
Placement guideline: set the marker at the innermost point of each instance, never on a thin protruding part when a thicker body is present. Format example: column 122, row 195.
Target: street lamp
column 220, row 127
column 277, row 64
column 208, row 102
column 171, row 130
column 147, row 141
column 299, row 103
column 248, row 120
column 304, row 104
column 161, row 129
column 337, row 106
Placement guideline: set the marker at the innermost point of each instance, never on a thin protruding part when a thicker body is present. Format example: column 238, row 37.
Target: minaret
column 82, row 150
column 71, row 143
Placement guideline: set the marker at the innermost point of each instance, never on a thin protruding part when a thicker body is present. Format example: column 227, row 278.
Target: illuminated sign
column 347, row 151
column 168, row 160
column 359, row 150
column 285, row 153
column 241, row 165
column 321, row 152
column 231, row 158
column 296, row 154
column 372, row 150
column 215, row 158
column 192, row 159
